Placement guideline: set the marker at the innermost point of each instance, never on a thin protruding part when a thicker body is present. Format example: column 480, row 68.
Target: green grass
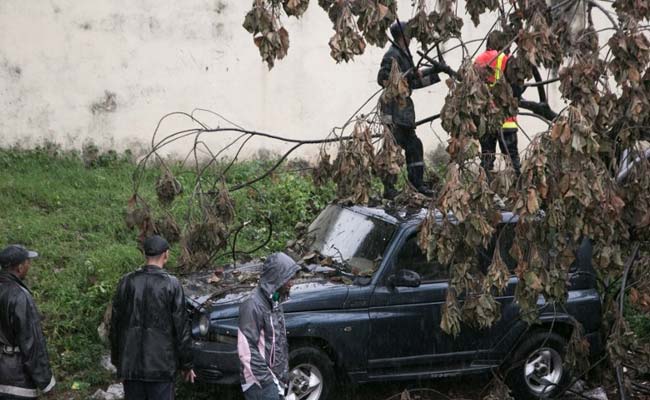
column 74, row 217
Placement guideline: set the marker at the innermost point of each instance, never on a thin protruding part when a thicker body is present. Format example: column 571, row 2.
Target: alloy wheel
column 305, row 383
column 543, row 371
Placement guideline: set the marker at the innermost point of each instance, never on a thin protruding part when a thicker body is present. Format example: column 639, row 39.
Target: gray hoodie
column 262, row 337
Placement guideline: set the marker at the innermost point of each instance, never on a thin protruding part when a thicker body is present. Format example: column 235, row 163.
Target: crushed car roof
column 400, row 215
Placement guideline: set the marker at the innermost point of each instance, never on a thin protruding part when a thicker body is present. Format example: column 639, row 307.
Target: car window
column 413, row 258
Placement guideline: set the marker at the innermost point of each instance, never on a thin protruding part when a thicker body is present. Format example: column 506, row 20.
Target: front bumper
column 215, row 363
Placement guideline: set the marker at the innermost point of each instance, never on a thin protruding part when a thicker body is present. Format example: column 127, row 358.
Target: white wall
column 59, row 57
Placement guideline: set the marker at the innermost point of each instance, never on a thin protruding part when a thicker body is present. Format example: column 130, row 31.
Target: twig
column 626, row 272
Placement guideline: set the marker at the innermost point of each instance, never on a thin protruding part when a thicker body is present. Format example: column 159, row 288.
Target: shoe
column 390, row 193
column 425, row 190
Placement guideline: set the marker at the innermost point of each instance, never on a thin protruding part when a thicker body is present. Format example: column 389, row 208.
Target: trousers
column 507, row 145
column 412, row 145
column 266, row 392
column 139, row 390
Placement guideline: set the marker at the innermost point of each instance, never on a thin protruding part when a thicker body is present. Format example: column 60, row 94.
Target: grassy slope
column 74, row 217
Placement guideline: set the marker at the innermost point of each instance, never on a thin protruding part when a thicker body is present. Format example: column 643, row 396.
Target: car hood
column 221, row 297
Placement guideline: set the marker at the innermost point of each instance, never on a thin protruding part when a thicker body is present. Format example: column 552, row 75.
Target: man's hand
column 189, row 376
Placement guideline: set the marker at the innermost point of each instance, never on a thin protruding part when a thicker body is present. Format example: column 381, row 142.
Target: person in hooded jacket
column 24, row 364
column 400, row 118
column 150, row 331
column 262, row 338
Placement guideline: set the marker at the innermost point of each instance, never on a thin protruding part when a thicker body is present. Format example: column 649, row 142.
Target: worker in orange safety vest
column 495, row 57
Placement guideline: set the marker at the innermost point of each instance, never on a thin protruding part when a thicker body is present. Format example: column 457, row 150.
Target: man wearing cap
column 24, row 364
column 262, row 337
column 400, row 116
column 150, row 331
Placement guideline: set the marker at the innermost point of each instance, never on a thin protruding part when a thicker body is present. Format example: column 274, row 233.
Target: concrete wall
column 106, row 71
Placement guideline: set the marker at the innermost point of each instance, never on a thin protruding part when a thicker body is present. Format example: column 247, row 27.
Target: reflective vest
column 497, row 63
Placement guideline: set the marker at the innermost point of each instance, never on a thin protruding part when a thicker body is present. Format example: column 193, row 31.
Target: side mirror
column 405, row 278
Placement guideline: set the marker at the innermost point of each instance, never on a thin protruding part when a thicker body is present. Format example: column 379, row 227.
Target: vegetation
column 568, row 188
column 72, row 212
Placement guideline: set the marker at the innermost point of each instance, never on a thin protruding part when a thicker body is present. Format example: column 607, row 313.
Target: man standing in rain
column 24, row 365
column 262, row 338
column 150, row 331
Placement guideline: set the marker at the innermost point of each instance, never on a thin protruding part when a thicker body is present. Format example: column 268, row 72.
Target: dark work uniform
column 401, row 119
column 150, row 333
column 24, row 365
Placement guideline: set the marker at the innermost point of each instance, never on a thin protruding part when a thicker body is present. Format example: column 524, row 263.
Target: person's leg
column 270, row 392
column 508, row 145
column 488, row 148
column 160, row 390
column 414, row 155
column 253, row 393
column 389, row 181
column 134, row 390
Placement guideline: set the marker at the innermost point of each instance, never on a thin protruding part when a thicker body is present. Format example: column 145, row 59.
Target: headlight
column 204, row 325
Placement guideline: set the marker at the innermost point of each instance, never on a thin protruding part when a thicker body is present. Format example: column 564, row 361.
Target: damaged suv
column 382, row 323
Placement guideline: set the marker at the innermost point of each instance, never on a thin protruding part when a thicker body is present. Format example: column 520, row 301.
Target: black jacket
column 405, row 115
column 150, row 331
column 27, row 371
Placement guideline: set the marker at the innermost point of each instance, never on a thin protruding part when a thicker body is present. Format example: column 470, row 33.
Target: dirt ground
column 466, row 388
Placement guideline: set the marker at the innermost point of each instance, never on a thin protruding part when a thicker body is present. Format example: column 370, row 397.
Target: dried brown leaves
column 347, row 41
column 295, row 7
column 477, row 7
column 269, row 36
column 472, row 109
column 396, row 87
column 168, row 187
column 374, row 18
column 138, row 215
column 353, row 166
column 324, row 171
column 389, row 158
column 446, row 23
column 539, row 44
column 580, row 82
column 631, row 50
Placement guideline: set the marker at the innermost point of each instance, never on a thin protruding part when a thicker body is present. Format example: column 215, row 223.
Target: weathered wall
column 107, row 70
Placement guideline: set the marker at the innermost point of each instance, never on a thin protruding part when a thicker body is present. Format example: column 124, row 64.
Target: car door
column 404, row 322
column 405, row 332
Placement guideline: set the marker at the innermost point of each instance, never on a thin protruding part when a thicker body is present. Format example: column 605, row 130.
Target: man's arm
column 31, row 341
column 384, row 70
column 182, row 328
column 115, row 328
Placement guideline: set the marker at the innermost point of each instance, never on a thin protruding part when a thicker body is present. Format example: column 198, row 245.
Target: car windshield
column 356, row 240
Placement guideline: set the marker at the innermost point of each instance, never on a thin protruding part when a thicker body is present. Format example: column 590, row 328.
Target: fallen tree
column 586, row 176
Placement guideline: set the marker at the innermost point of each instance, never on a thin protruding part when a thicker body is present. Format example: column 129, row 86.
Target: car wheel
column 311, row 375
column 538, row 369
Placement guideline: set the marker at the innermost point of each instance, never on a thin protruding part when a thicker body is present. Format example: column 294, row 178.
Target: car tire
column 311, row 374
column 537, row 370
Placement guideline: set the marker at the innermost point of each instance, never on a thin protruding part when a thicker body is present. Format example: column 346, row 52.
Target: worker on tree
column 400, row 118
column 495, row 57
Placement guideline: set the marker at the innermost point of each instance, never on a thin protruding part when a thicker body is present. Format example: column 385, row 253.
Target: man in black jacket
column 401, row 117
column 150, row 330
column 24, row 364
